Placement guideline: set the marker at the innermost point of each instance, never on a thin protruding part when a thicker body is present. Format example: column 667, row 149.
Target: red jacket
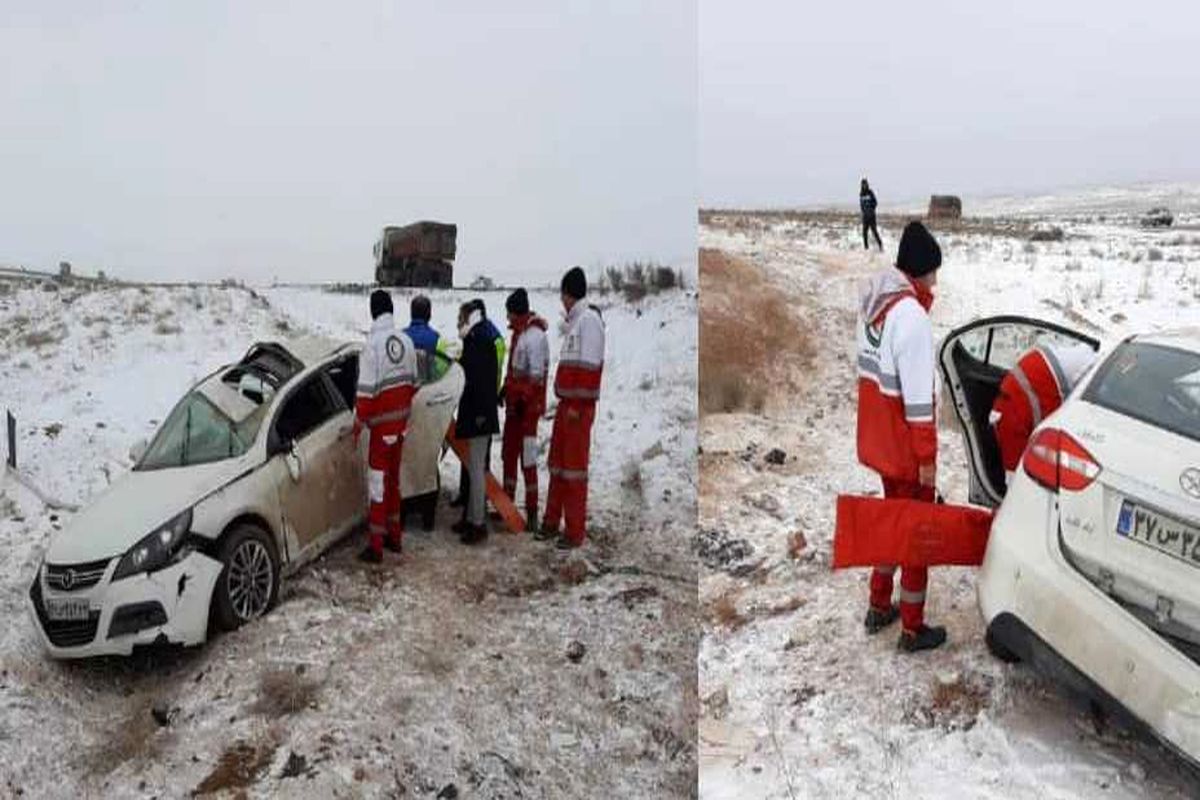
column 1032, row 391
column 581, row 360
column 896, row 430
column 528, row 363
column 387, row 370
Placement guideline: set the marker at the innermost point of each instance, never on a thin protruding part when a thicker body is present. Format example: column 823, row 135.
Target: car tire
column 998, row 649
column 248, row 585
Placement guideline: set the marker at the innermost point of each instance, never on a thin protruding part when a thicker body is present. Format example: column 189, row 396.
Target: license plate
column 1160, row 532
column 72, row 609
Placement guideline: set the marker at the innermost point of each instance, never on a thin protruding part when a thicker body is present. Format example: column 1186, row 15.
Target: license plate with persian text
column 1160, row 532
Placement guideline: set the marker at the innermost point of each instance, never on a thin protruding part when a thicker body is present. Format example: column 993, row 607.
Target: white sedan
column 1092, row 571
column 254, row 472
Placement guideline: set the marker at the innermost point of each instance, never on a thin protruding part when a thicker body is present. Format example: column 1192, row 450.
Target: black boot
column 878, row 619
column 923, row 638
column 371, row 556
column 461, row 527
column 531, row 521
column 546, row 534
column 475, row 534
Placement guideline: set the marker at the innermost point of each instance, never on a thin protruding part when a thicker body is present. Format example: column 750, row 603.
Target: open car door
column 974, row 360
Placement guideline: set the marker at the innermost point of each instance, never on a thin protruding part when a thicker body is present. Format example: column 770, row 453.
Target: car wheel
column 997, row 648
column 249, row 582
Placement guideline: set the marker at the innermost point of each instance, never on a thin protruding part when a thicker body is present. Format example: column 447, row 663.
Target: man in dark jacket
column 867, row 203
column 478, row 419
column 497, row 339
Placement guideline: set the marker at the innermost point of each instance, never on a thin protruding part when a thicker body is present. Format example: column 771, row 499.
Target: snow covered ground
column 449, row 668
column 796, row 701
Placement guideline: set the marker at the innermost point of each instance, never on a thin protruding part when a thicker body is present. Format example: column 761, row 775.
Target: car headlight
column 157, row 549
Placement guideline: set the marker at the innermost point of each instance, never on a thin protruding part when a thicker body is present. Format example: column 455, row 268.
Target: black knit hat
column 381, row 303
column 420, row 308
column 517, row 302
column 574, row 283
column 919, row 253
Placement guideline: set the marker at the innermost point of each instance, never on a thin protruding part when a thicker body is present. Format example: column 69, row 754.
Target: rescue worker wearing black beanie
column 517, row 302
column 919, row 253
column 897, row 433
column 574, row 283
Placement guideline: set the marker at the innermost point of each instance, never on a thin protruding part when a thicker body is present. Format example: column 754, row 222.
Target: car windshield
column 196, row 432
column 1153, row 383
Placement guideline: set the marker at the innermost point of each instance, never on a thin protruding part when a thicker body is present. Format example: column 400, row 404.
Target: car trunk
column 1133, row 531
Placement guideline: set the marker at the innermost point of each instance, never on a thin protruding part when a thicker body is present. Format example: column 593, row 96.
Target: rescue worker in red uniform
column 896, row 433
column 1033, row 390
column 387, row 371
column 524, row 398
column 577, row 386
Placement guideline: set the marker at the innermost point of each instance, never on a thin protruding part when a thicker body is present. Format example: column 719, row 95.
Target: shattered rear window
column 1152, row 383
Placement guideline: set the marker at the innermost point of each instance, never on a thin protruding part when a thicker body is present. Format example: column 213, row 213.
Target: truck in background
column 419, row 254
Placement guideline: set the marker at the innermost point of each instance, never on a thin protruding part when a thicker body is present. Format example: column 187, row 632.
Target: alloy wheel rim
column 250, row 579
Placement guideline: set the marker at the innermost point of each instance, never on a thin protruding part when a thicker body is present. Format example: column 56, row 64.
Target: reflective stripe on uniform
column 1060, row 377
column 400, row 379
column 375, row 485
column 1035, row 405
column 909, row 596
column 579, row 394
column 869, row 368
column 569, row 474
column 388, row 416
column 918, row 412
column 529, row 450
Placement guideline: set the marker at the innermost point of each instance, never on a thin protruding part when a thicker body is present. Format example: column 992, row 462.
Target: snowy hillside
column 796, row 700
column 447, row 669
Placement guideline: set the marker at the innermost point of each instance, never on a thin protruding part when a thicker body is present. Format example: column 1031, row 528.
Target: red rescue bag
column 874, row 530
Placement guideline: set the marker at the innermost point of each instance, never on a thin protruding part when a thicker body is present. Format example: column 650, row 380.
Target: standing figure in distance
column 866, row 204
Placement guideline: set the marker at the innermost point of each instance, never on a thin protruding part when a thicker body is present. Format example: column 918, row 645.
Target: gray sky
column 800, row 100
column 267, row 139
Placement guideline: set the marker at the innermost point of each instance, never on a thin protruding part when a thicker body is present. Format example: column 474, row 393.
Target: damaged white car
column 1092, row 570
column 254, row 472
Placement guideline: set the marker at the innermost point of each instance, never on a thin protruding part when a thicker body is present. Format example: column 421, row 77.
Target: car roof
column 1182, row 338
column 311, row 349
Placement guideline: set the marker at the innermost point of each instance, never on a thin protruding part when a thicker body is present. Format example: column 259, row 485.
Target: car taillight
column 1057, row 461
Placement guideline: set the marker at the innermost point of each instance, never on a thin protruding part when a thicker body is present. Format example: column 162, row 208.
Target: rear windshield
column 1152, row 383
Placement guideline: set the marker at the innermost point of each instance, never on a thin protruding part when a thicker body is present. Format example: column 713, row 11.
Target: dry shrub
column 240, row 766
column 747, row 333
column 40, row 338
column 284, row 691
column 167, row 329
column 723, row 613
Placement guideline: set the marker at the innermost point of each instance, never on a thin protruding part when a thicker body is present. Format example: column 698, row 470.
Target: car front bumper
column 1033, row 600
column 167, row 606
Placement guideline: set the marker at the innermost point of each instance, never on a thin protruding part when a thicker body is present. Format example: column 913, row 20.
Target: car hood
column 135, row 505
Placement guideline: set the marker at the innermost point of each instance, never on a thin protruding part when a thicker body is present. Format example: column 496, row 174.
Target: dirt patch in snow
column 749, row 336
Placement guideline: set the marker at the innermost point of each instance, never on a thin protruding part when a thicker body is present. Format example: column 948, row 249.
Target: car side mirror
column 138, row 450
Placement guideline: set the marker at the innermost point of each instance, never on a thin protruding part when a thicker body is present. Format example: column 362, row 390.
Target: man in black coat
column 478, row 419
column 866, row 204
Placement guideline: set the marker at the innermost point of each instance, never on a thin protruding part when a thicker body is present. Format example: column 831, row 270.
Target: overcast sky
column 800, row 100
column 266, row 139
